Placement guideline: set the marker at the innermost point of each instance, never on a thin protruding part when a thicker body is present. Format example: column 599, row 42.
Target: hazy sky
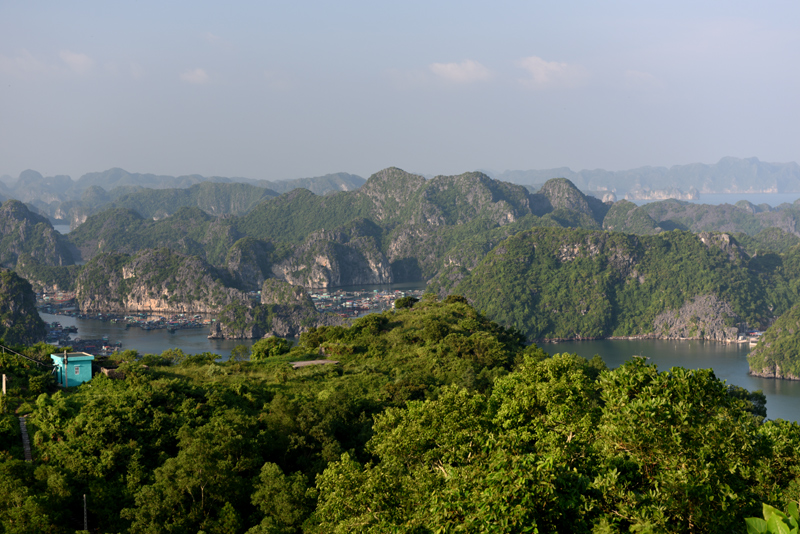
column 280, row 90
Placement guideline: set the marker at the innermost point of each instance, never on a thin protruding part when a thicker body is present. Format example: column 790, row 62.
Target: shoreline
column 637, row 338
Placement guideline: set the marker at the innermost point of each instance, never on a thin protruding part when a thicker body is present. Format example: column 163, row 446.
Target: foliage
column 562, row 445
column 559, row 283
column 778, row 350
column 405, row 302
column 435, row 419
column 187, row 231
column 769, row 240
column 269, row 348
column 47, row 276
column 775, row 521
column 625, row 216
column 19, row 321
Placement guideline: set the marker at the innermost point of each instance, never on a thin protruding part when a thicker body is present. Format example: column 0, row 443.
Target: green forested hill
column 418, row 226
column 433, row 419
column 189, row 231
column 25, row 232
column 777, row 354
column 19, row 321
column 627, row 217
column 213, row 198
column 294, row 215
column 676, row 214
column 559, row 283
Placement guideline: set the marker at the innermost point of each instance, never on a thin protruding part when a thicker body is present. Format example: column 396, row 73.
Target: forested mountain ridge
column 579, row 284
column 214, row 198
column 25, row 232
column 401, row 227
column 189, row 231
column 728, row 175
column 71, row 201
column 413, row 222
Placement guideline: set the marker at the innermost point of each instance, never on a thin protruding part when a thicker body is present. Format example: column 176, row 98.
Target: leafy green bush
column 405, row 302
column 775, row 521
column 268, row 348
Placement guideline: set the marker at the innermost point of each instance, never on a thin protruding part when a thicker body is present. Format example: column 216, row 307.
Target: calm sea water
column 729, row 362
column 190, row 341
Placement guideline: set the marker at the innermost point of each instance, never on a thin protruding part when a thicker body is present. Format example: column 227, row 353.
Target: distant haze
column 275, row 91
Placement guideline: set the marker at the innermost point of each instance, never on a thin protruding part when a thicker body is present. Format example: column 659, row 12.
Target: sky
column 281, row 90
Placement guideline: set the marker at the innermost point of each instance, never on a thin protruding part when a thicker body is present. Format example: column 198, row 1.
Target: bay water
column 190, row 341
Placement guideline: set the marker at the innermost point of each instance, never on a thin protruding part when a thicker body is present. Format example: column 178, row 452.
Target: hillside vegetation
column 434, row 419
column 777, row 354
column 19, row 321
column 401, row 227
column 71, row 201
column 578, row 284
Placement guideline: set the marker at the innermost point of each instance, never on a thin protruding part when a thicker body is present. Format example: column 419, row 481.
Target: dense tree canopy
column 435, row 420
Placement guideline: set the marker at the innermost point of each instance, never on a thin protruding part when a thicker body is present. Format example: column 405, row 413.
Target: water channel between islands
column 729, row 361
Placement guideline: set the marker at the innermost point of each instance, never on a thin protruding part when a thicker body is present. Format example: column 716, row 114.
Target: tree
column 240, row 353
column 269, row 348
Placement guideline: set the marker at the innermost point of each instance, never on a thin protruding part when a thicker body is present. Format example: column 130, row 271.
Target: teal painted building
column 72, row 368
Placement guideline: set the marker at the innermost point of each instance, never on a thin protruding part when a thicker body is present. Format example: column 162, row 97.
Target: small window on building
column 77, row 369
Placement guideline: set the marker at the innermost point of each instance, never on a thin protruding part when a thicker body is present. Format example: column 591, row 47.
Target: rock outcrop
column 705, row 317
column 662, row 194
column 285, row 311
column 19, row 321
column 248, row 262
column 153, row 281
column 561, row 194
column 25, row 232
column 344, row 257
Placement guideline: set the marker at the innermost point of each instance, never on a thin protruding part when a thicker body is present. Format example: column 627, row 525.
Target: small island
column 777, row 354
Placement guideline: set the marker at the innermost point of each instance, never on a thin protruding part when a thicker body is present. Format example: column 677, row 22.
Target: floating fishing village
column 345, row 303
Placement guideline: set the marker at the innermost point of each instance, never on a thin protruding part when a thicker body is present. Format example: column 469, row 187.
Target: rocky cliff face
column 662, row 194
column 725, row 242
column 248, row 262
column 239, row 322
column 19, row 321
column 705, row 317
column 560, row 193
column 413, row 252
column 282, row 293
column 390, row 190
column 343, row 257
column 153, row 281
column 285, row 311
column 23, row 231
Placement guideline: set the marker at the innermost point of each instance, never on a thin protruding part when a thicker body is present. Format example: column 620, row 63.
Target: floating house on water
column 72, row 368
